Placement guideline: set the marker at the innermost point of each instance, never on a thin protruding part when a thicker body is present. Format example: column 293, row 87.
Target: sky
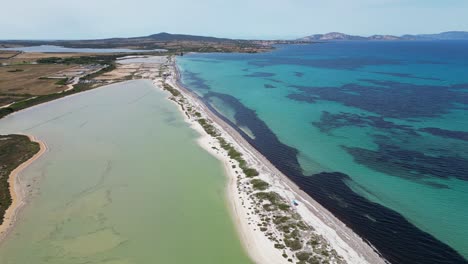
column 258, row 19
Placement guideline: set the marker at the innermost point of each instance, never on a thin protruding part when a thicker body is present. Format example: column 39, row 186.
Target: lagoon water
column 123, row 182
column 375, row 131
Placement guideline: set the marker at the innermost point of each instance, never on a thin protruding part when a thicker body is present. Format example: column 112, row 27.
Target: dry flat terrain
column 26, row 79
column 28, row 57
column 21, row 81
column 6, row 54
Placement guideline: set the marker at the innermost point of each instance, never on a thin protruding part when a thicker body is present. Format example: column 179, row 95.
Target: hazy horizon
column 205, row 35
column 259, row 19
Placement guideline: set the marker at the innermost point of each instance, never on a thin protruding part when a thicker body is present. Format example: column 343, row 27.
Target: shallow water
column 375, row 131
column 123, row 182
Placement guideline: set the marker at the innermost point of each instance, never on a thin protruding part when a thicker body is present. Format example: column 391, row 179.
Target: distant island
column 450, row 35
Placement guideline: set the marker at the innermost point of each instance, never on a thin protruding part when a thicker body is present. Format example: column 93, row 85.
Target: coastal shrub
column 249, row 172
column 258, row 184
column 315, row 260
column 210, row 129
column 237, row 156
column 283, row 206
column 313, row 242
column 279, row 246
column 293, row 244
column 295, row 232
column 268, row 207
column 62, row 81
column 272, row 197
column 301, row 225
column 280, row 220
column 171, row 89
column 303, row 255
column 284, row 228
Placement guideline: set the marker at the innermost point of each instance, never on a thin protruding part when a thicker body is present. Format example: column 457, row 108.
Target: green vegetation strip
column 99, row 59
column 171, row 89
column 14, row 150
column 258, row 184
column 212, row 131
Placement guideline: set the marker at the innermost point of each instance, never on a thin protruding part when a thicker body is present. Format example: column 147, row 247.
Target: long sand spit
column 17, row 191
column 347, row 243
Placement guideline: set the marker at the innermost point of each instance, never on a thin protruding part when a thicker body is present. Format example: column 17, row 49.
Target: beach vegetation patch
column 209, row 128
column 171, row 90
column 279, row 246
column 303, row 255
column 258, row 184
column 293, row 244
column 237, row 156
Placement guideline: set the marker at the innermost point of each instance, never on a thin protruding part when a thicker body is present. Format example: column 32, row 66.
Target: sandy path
column 17, row 192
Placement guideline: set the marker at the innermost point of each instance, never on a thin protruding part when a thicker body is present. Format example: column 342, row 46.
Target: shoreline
column 18, row 197
column 256, row 244
column 341, row 238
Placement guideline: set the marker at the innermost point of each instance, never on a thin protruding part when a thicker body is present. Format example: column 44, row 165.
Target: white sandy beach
column 347, row 244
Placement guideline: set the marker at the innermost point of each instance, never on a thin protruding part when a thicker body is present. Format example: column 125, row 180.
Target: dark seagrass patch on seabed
column 396, row 238
column 408, row 75
column 461, row 135
column 329, row 122
column 413, row 100
column 194, row 81
column 381, row 226
column 298, row 74
column 397, row 161
column 348, row 63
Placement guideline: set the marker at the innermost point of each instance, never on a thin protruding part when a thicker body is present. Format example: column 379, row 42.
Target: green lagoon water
column 123, row 182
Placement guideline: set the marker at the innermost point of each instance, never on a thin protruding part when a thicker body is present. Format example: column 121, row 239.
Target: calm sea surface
column 123, row 182
column 375, row 131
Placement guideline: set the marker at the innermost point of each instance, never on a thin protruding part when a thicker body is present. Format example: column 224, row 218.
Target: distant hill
column 170, row 42
column 331, row 36
column 452, row 35
column 180, row 37
column 342, row 36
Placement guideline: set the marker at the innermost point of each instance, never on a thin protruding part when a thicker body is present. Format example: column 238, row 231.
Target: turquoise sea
column 377, row 132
